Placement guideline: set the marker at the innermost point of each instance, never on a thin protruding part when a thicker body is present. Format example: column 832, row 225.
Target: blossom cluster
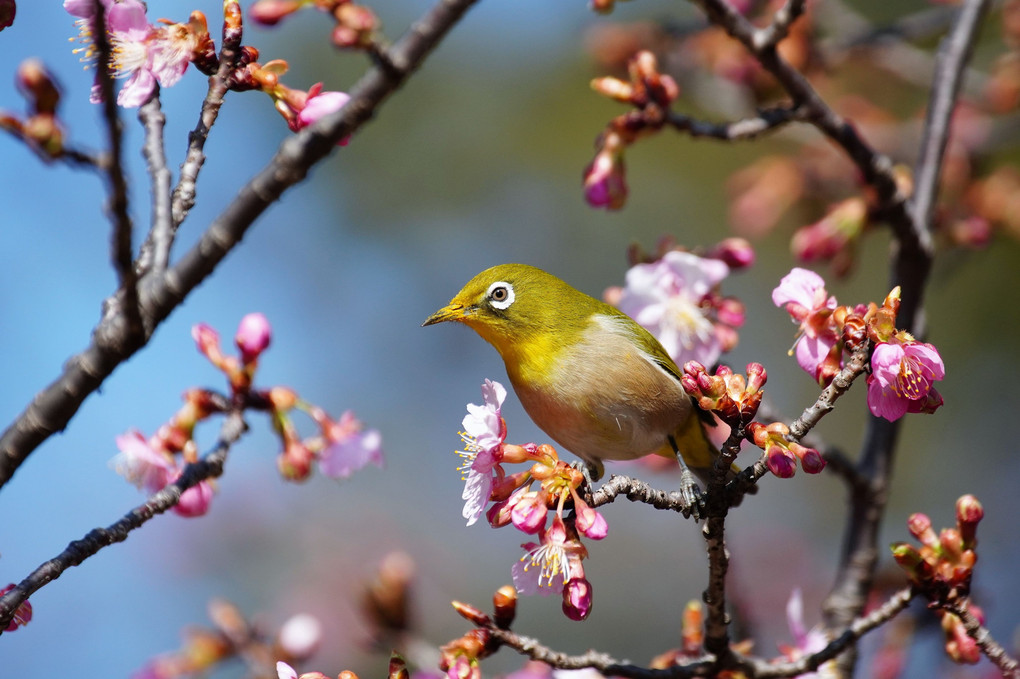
column 942, row 569
column 553, row 564
column 340, row 447
column 147, row 56
column 355, row 25
column 903, row 369
column 677, row 298
column 233, row 636
column 650, row 93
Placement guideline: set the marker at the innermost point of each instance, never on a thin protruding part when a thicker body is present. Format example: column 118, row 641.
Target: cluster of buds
column 903, row 370
column 524, row 499
column 460, row 658
column 233, row 636
column 355, row 28
column 731, row 396
column 943, row 566
column 942, row 569
column 40, row 129
column 651, row 93
column 22, row 614
column 341, row 446
column 736, row 253
column 782, row 454
column 692, row 640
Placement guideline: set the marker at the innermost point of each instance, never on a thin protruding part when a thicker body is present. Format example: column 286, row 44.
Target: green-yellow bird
column 588, row 375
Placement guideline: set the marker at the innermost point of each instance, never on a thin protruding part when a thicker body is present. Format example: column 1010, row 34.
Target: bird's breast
column 602, row 397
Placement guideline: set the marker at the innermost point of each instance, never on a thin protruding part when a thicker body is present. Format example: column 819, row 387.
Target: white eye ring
column 502, row 290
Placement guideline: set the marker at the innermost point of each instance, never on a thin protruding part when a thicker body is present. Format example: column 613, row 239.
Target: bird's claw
column 691, row 496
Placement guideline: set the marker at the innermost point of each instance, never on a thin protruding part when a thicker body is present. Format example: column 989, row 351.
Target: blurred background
column 477, row 161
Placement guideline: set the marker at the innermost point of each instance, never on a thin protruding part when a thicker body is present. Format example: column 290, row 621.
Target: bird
column 588, row 375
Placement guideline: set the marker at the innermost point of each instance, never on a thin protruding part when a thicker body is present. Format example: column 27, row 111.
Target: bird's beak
column 450, row 312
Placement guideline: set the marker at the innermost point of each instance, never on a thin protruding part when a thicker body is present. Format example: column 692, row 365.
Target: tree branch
column 78, row 551
column 54, row 406
column 122, row 253
column 1008, row 665
column 155, row 251
column 184, row 194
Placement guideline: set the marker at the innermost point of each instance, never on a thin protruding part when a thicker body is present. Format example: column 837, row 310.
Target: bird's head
column 511, row 304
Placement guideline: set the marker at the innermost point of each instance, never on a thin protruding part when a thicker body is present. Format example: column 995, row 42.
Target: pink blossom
column 605, row 183
column 484, row 433
column 142, row 53
column 317, row 105
column 545, row 567
column 150, row 469
column 803, row 294
column 669, row 297
column 902, row 379
column 350, row 448
column 140, row 463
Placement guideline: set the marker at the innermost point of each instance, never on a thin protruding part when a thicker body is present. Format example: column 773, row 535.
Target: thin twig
column 826, row 401
column 219, row 83
column 753, row 668
column 779, row 27
column 122, row 254
column 1008, row 665
column 637, row 490
column 54, row 406
column 155, row 251
column 767, row 120
column 78, row 551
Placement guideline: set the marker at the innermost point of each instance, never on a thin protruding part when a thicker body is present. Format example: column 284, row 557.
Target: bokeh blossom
column 805, row 642
column 148, row 464
column 675, row 299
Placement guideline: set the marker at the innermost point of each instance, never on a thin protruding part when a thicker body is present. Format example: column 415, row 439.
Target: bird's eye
column 500, row 295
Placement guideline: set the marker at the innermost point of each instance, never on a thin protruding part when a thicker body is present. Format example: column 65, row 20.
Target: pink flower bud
column 736, row 253
column 590, row 523
column 295, row 463
column 271, row 12
column 253, row 336
column 529, row 512
column 195, row 501
column 208, row 341
column 811, row 461
column 780, row 461
column 756, row 377
column 36, row 83
column 8, row 8
column 919, row 526
column 605, row 182
column 577, row 599
column 968, row 513
column 22, row 615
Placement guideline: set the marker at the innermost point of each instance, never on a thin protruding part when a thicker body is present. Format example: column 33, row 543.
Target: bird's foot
column 691, row 496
